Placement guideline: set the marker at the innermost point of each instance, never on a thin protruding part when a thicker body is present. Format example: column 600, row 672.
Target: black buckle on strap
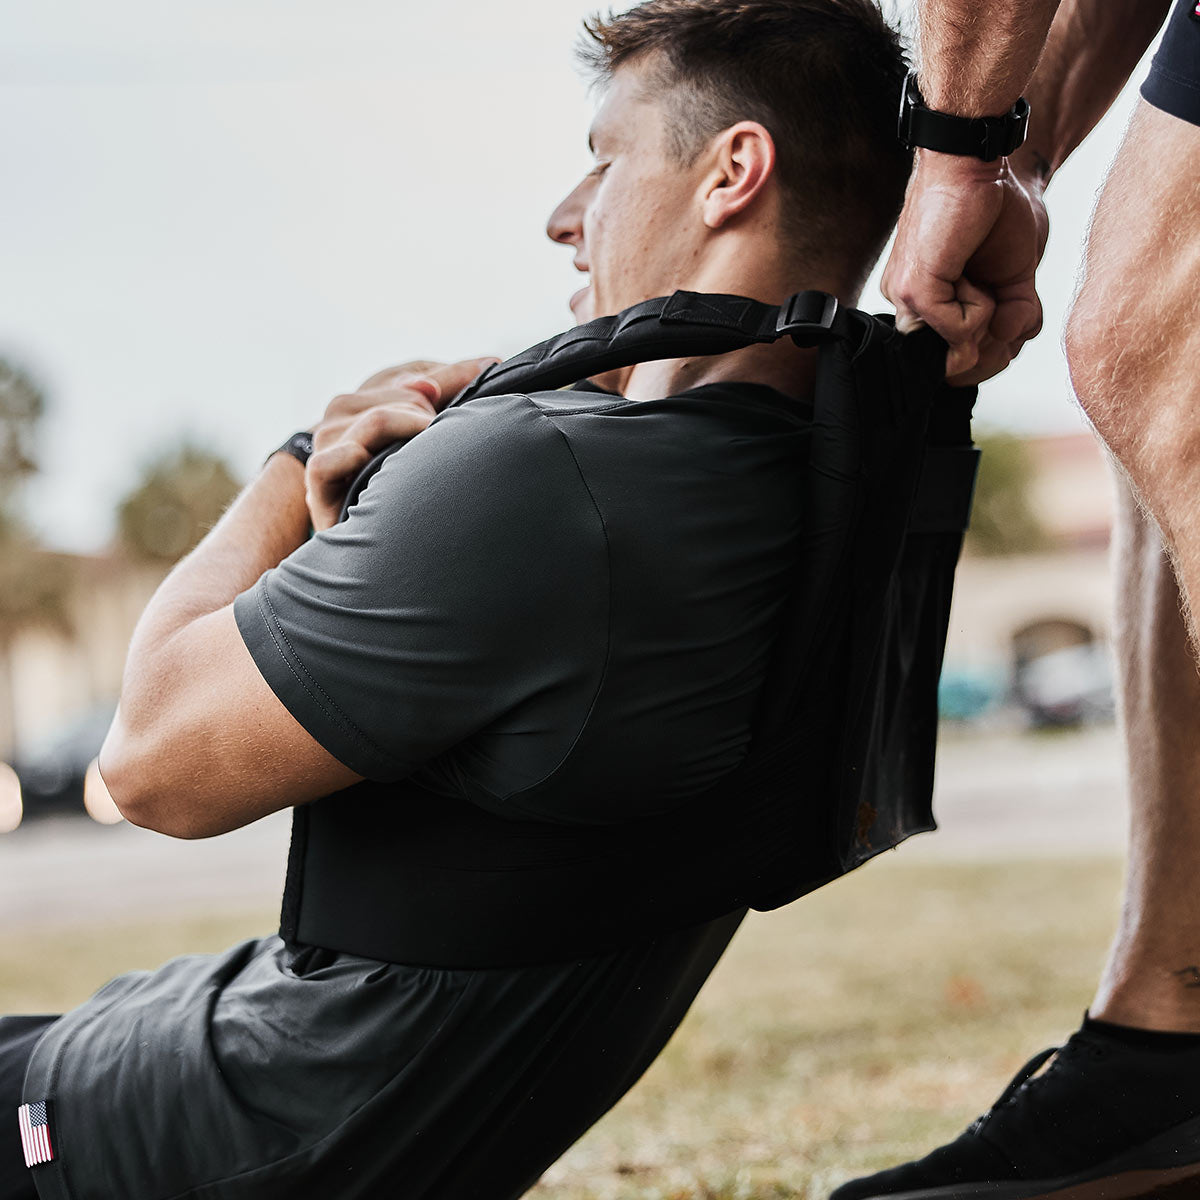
column 806, row 315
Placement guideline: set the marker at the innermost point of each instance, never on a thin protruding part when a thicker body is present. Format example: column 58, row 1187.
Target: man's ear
column 743, row 164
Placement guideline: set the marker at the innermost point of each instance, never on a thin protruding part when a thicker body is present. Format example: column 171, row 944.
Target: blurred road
column 1043, row 795
column 998, row 796
column 71, row 869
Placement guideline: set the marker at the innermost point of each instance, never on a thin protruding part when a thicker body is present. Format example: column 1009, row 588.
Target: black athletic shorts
column 1174, row 80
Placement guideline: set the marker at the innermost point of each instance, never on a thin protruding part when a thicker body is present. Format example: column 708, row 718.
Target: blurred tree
column 35, row 583
column 21, row 406
column 1002, row 519
column 181, row 495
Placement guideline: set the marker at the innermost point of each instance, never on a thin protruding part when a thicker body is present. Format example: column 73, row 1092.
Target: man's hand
column 390, row 406
column 967, row 245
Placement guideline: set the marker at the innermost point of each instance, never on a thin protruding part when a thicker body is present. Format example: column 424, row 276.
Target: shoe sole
column 1183, row 1183
column 1151, row 1171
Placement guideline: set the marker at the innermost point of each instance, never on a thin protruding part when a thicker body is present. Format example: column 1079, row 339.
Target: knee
column 1117, row 358
column 1098, row 366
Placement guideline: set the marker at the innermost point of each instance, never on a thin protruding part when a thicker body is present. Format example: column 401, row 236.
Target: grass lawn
column 856, row 1028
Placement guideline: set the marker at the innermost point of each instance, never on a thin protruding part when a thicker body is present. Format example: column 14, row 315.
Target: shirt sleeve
column 427, row 615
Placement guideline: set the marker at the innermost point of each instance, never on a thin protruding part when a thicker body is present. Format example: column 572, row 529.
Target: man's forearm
column 976, row 59
column 972, row 233
column 202, row 743
column 265, row 524
column 1091, row 51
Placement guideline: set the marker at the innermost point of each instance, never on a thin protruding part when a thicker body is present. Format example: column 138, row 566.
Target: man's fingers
column 384, row 424
column 985, row 334
column 963, row 261
column 332, row 468
column 447, row 379
column 1018, row 311
column 968, row 326
column 994, row 357
column 451, row 378
column 339, row 455
column 392, row 406
column 336, row 465
column 419, row 366
column 961, row 314
column 999, row 345
column 907, row 322
column 328, row 474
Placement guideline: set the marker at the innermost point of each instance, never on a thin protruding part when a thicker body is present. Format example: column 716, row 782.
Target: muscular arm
column 971, row 234
column 977, row 58
column 196, row 720
column 200, row 743
column 1091, row 51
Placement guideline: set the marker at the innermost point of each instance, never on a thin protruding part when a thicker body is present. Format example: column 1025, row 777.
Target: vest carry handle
column 675, row 326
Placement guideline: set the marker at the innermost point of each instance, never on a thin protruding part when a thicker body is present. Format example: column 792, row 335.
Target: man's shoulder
column 492, row 465
column 498, row 436
column 511, row 432
column 528, row 415
column 524, row 441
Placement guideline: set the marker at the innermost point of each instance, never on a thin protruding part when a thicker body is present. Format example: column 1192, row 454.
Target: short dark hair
column 823, row 76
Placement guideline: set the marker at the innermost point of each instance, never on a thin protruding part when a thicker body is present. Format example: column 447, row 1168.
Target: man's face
column 635, row 218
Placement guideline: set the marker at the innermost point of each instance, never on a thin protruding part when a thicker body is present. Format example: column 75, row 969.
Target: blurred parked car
column 1068, row 687
column 965, row 694
column 60, row 775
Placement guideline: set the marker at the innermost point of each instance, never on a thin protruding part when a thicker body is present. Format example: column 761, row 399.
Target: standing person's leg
column 1117, row 1114
column 18, row 1036
column 1152, row 977
column 1134, row 351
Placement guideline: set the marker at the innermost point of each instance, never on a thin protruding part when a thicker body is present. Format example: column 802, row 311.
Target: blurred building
column 1072, row 490
column 63, row 670
column 1011, row 610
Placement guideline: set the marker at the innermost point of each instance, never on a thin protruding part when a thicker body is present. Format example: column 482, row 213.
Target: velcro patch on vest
column 35, row 1133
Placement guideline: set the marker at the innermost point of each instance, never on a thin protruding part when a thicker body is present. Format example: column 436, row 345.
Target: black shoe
column 1106, row 1120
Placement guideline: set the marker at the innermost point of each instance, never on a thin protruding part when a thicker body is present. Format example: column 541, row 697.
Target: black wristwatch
column 987, row 138
column 299, row 446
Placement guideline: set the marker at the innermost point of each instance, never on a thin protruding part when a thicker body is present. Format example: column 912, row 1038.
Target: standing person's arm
column 1091, row 51
column 976, row 59
column 972, row 233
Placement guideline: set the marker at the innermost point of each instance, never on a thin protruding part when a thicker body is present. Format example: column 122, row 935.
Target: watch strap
column 987, row 138
column 299, row 446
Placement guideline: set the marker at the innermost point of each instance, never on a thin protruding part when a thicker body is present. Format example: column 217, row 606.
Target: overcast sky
column 216, row 216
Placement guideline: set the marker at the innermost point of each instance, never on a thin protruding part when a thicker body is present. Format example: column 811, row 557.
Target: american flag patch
column 35, row 1133
column 1196, row 10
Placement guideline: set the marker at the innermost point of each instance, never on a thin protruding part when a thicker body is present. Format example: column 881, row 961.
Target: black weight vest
column 840, row 765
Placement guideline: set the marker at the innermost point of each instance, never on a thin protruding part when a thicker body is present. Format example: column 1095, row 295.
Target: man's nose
column 566, row 221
